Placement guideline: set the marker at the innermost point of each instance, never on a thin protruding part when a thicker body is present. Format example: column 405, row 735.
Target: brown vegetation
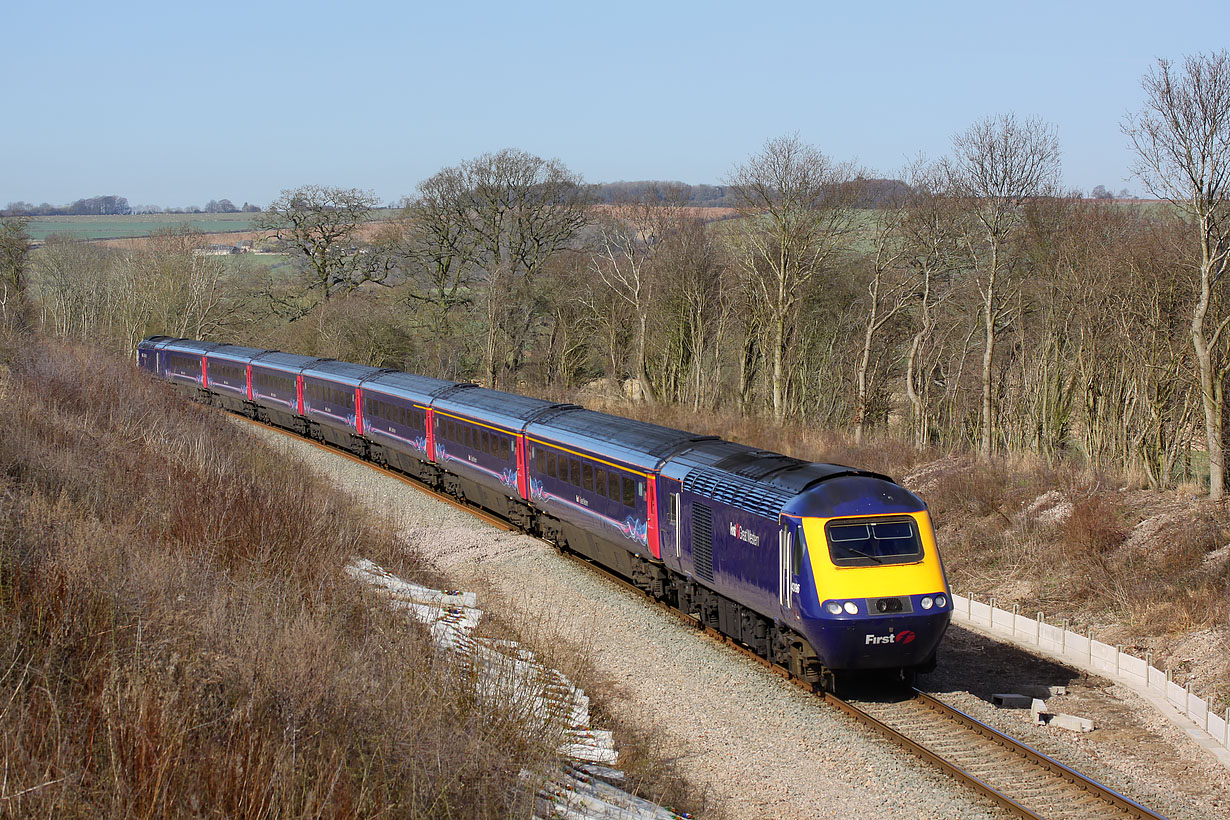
column 178, row 638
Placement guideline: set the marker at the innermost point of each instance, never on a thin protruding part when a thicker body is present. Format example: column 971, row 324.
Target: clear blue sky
column 178, row 103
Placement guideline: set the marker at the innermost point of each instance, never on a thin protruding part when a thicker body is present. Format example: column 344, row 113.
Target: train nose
column 891, row 633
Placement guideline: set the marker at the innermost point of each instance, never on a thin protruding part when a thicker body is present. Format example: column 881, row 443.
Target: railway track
column 1016, row 777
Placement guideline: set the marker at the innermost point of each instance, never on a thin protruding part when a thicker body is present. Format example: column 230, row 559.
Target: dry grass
column 177, row 638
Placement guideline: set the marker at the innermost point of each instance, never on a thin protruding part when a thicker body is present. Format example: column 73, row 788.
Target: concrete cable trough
column 507, row 673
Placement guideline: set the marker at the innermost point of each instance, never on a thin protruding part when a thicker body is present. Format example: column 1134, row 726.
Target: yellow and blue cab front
column 872, row 592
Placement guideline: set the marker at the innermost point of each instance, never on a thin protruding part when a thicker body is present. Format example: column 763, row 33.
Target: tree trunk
column 648, row 393
column 986, row 444
column 1210, row 387
column 779, row 369
column 747, row 370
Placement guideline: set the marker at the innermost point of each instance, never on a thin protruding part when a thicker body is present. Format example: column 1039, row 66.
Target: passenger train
column 820, row 568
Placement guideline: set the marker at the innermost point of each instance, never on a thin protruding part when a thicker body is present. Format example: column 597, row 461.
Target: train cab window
column 587, row 477
column 574, row 472
column 629, row 492
column 600, row 481
column 867, row 542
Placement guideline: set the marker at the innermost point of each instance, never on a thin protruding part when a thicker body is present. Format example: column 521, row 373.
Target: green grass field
column 125, row 227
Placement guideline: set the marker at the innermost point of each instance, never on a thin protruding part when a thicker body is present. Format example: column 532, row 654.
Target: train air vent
column 702, row 541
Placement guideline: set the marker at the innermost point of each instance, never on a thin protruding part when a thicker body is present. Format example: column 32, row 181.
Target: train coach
column 821, row 568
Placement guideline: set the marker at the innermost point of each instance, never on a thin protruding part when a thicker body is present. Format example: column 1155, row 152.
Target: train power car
column 821, row 568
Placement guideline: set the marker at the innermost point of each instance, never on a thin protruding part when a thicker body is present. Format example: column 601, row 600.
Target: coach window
column 574, row 472
column 629, row 492
column 587, row 476
column 600, row 481
column 551, row 465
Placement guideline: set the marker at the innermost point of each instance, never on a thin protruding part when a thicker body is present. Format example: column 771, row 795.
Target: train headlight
column 926, row 602
column 851, row 607
column 833, row 607
column 941, row 601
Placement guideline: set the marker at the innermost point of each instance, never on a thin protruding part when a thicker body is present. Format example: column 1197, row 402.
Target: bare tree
column 889, row 292
column 322, row 225
column 929, row 230
column 505, row 215
column 14, row 253
column 998, row 164
column 1182, row 139
column 435, row 240
column 631, row 235
column 185, row 285
column 796, row 206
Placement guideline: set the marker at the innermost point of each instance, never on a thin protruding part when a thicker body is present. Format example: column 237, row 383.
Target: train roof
column 639, row 443
column 857, row 493
column 190, row 346
column 343, row 372
column 236, row 353
column 760, row 481
column 408, row 385
column 507, row 409
column 153, row 342
column 283, row 361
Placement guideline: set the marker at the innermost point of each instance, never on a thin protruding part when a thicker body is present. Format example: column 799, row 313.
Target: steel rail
column 1124, row 806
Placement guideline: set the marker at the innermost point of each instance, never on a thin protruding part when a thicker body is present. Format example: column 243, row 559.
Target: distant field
column 125, row 227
